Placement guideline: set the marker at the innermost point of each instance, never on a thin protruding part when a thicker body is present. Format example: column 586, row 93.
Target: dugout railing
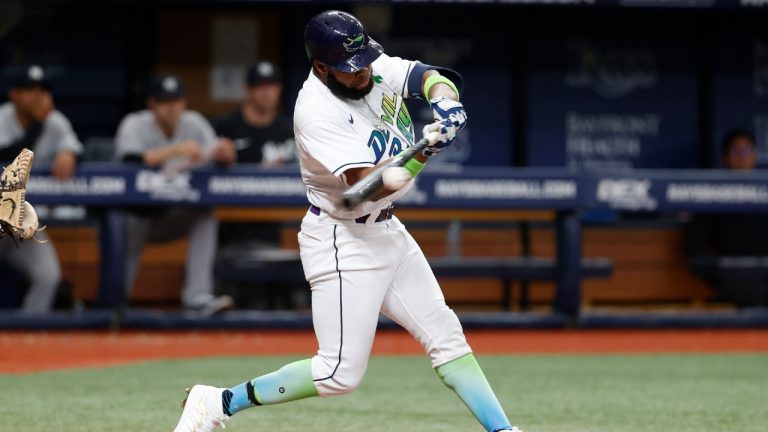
column 110, row 188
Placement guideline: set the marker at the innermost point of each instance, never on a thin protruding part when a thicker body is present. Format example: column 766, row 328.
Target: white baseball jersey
column 57, row 134
column 334, row 134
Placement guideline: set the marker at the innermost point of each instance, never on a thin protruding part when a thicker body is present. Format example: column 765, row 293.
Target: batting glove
column 447, row 135
column 444, row 108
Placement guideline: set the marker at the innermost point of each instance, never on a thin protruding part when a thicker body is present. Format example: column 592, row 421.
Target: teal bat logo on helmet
column 354, row 44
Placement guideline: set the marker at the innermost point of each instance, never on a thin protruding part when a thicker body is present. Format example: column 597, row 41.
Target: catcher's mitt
column 18, row 218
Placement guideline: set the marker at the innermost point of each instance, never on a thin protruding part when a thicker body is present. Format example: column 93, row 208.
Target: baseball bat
column 372, row 183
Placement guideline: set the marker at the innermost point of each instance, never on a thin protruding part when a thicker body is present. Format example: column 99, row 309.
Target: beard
column 341, row 91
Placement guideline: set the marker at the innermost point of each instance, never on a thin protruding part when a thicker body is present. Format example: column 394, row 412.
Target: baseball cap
column 263, row 72
column 31, row 76
column 166, row 87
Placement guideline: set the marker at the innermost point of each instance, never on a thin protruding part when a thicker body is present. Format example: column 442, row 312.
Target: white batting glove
column 447, row 134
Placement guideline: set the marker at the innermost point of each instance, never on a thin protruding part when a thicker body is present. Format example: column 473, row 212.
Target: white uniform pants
column 356, row 271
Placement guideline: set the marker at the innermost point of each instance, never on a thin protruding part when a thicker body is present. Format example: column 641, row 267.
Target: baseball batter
column 349, row 118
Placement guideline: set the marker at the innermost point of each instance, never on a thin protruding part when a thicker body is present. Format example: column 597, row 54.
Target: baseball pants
column 356, row 271
column 40, row 266
column 202, row 228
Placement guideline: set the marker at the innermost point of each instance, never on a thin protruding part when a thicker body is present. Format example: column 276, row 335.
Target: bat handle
column 358, row 193
column 351, row 201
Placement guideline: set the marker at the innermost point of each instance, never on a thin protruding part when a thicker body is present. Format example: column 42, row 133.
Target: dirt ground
column 28, row 352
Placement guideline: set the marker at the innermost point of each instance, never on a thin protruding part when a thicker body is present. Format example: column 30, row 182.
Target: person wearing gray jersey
column 29, row 120
column 168, row 137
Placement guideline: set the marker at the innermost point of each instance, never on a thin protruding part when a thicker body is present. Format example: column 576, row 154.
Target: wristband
column 414, row 167
column 438, row 79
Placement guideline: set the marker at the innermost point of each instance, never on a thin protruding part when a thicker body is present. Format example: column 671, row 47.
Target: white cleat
column 202, row 410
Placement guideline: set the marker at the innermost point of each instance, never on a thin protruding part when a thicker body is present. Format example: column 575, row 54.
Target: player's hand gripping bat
column 373, row 183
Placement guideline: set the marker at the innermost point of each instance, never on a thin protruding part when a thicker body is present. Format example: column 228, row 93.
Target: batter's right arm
column 354, row 175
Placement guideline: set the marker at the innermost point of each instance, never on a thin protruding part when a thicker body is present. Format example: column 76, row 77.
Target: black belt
column 385, row 214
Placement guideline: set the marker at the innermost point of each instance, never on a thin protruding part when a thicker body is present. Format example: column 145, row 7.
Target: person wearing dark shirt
column 260, row 132
column 733, row 235
column 262, row 135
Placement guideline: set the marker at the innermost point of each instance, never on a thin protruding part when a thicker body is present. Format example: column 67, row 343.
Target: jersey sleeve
column 406, row 76
column 64, row 134
column 206, row 134
column 396, row 72
column 8, row 131
column 336, row 146
column 128, row 140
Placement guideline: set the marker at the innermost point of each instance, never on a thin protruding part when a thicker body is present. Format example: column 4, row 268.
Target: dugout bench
column 107, row 189
column 449, row 194
column 277, row 266
column 742, row 280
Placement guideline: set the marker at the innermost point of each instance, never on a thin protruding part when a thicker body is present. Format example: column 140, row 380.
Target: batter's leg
column 416, row 302
column 40, row 265
column 349, row 279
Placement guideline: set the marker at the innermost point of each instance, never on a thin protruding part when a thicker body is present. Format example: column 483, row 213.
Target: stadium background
column 705, row 63
column 592, row 86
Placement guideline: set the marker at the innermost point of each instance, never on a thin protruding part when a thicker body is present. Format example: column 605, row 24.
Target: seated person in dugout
column 262, row 134
column 258, row 129
column 30, row 120
column 170, row 137
column 734, row 235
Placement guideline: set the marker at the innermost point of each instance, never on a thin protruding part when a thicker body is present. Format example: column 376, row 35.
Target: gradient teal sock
column 465, row 377
column 289, row 383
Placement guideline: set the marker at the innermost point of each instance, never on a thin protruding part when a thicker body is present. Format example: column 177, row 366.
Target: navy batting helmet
column 339, row 40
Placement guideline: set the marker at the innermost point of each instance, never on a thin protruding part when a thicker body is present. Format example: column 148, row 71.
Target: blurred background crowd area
column 590, row 85
column 547, row 85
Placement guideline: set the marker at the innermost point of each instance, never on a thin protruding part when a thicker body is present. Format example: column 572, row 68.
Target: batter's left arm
column 440, row 90
column 450, row 118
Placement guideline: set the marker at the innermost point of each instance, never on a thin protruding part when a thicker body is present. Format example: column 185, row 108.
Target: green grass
column 671, row 393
